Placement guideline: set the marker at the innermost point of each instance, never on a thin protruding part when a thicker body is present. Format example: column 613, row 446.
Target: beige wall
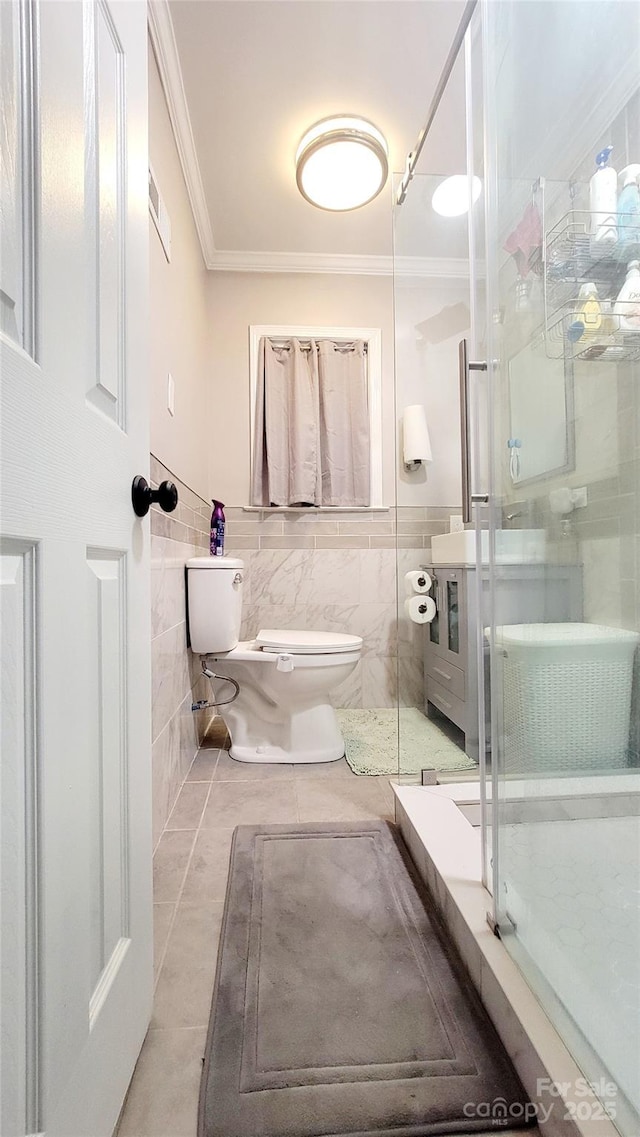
column 180, row 338
column 240, row 299
column 431, row 317
column 180, row 345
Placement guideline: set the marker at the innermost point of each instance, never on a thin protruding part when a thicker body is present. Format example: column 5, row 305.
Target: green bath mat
column 371, row 742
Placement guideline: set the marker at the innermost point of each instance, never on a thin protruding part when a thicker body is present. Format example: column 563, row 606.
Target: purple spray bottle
column 216, row 542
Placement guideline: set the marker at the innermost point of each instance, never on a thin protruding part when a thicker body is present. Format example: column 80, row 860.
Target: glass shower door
column 439, row 298
column 477, row 383
column 564, row 518
column 432, row 313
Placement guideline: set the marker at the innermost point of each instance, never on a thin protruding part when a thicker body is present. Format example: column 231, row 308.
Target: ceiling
column 257, row 73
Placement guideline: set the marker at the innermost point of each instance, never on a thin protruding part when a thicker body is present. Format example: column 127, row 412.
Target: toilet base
column 262, row 732
column 275, row 754
column 282, row 714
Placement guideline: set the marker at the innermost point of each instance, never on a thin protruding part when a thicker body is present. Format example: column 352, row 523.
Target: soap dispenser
column 603, row 200
column 629, row 206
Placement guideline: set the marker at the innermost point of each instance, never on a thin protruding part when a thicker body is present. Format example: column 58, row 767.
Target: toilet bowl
column 282, row 712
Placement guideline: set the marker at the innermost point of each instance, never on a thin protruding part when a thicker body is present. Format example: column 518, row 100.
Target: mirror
column 541, row 415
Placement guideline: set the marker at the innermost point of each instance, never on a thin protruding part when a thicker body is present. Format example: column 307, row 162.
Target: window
column 316, row 430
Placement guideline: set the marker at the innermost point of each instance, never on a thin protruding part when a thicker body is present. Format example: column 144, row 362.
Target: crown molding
column 440, row 268
column 165, row 49
column 447, row 268
column 333, row 263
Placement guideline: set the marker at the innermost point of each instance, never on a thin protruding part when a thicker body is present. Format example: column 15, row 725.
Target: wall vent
column 158, row 211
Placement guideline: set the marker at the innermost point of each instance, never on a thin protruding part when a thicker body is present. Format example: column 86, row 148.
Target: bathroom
column 502, row 498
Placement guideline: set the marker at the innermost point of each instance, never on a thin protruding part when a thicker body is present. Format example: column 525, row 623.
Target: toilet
column 282, row 712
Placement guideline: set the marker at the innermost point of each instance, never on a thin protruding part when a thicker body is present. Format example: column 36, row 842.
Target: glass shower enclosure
column 538, row 609
column 436, row 300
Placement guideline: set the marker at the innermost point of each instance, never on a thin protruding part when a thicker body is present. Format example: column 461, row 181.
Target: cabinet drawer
column 446, row 675
column 450, row 705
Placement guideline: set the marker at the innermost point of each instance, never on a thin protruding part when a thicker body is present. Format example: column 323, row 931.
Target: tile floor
column 190, row 877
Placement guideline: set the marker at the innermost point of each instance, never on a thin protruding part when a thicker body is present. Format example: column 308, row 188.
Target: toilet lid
column 306, row 643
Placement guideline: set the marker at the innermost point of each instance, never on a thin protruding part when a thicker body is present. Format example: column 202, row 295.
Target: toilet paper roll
column 420, row 609
column 417, row 581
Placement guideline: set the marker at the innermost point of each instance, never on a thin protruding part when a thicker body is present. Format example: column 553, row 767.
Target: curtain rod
column 414, row 155
column 305, row 344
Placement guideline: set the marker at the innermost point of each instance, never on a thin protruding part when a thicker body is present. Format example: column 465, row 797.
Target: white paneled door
column 75, row 919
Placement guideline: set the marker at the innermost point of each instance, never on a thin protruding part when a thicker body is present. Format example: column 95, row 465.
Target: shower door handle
column 465, row 366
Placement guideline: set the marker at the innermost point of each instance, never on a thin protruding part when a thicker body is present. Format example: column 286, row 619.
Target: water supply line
column 202, row 704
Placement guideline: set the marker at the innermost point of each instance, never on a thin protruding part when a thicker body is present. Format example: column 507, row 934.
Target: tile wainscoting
column 175, row 672
column 404, row 527
column 338, row 573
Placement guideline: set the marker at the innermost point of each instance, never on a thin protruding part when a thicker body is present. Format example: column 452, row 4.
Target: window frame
column 373, row 339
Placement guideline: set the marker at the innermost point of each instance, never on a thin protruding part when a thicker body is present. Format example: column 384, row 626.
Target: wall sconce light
column 416, row 444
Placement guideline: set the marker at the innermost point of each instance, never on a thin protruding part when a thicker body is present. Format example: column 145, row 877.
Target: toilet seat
column 297, row 642
column 248, row 651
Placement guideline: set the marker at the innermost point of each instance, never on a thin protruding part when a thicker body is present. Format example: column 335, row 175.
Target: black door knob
column 143, row 496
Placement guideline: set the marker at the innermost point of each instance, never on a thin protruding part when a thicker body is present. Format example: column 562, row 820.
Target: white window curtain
column 312, row 442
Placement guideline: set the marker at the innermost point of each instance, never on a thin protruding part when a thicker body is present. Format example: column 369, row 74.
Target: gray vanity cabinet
column 524, row 594
column 446, row 644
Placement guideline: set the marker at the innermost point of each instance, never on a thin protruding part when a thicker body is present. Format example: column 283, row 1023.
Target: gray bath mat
column 371, row 742
column 338, row 1008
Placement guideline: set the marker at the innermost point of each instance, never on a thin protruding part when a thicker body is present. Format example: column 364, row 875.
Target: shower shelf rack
column 571, row 260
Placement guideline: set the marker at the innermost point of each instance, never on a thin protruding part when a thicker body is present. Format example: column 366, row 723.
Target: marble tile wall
column 176, row 682
column 329, row 573
column 338, row 573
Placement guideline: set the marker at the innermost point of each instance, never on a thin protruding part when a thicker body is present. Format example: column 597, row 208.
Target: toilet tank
column 214, row 599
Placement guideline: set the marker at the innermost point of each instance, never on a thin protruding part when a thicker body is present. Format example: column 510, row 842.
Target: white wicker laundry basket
column 567, row 696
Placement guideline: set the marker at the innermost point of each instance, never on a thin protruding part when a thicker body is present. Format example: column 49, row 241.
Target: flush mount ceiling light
column 451, row 197
column 341, row 163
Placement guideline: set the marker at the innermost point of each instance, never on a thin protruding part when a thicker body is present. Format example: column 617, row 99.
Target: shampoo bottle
column 629, row 207
column 627, row 306
column 589, row 312
column 216, row 542
column 603, row 200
